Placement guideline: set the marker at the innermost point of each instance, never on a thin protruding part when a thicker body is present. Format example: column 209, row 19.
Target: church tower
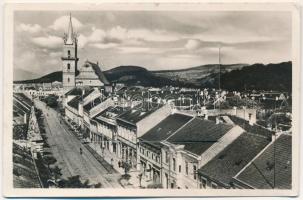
column 69, row 58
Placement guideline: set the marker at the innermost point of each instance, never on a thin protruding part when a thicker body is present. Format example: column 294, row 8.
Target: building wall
column 179, row 168
column 89, row 82
column 127, row 134
column 72, row 114
column 149, row 164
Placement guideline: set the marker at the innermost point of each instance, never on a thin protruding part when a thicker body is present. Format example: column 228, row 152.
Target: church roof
column 70, row 33
column 84, row 72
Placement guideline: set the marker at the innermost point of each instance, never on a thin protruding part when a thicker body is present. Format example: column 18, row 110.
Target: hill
column 233, row 77
column 135, row 75
column 257, row 76
column 129, row 75
column 193, row 75
column 54, row 76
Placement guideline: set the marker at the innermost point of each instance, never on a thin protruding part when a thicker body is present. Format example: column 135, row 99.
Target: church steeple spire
column 70, row 33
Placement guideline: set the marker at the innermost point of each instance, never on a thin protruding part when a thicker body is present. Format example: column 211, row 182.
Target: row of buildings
column 175, row 148
column 27, row 143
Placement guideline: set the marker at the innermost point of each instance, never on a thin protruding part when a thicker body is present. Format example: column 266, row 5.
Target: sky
column 156, row 40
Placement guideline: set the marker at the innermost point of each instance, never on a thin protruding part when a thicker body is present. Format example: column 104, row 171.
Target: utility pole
column 219, row 77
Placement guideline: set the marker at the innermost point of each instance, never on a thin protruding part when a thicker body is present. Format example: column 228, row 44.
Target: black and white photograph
column 152, row 98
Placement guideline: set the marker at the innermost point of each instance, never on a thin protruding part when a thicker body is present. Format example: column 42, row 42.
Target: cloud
column 29, row 28
column 55, row 54
column 97, row 35
column 152, row 35
column 133, row 49
column 118, row 35
column 104, row 46
column 48, row 42
column 193, row 44
column 62, row 22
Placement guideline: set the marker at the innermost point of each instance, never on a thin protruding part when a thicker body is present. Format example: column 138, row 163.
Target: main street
column 66, row 149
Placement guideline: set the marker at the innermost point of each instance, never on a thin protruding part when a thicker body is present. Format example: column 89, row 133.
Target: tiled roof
column 74, row 91
column 93, row 103
column 260, row 174
column 25, row 175
column 110, row 113
column 165, row 128
column 233, row 158
column 198, row 135
column 74, row 102
column 139, row 112
column 19, row 108
column 22, row 97
column 88, row 92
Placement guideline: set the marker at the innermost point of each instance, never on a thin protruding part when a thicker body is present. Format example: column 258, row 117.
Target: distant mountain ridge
column 238, row 76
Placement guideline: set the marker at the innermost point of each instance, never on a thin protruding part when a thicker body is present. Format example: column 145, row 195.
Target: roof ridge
column 180, row 128
column 259, row 154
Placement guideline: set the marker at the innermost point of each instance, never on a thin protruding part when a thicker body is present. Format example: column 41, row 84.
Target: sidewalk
column 114, row 160
column 109, row 160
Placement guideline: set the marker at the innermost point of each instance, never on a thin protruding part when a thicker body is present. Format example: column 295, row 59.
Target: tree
column 74, row 182
column 57, row 172
column 49, row 160
column 126, row 166
column 51, row 101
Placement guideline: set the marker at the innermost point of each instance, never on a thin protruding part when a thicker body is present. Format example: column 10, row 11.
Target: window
column 158, row 159
column 166, row 157
column 195, row 171
column 203, row 183
column 174, row 164
column 186, row 167
column 68, row 80
column 179, row 168
column 68, row 66
column 68, row 53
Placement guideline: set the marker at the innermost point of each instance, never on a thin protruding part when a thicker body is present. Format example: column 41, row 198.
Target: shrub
column 126, row 176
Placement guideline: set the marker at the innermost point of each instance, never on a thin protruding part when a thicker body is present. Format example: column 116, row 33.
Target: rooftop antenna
column 219, row 95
